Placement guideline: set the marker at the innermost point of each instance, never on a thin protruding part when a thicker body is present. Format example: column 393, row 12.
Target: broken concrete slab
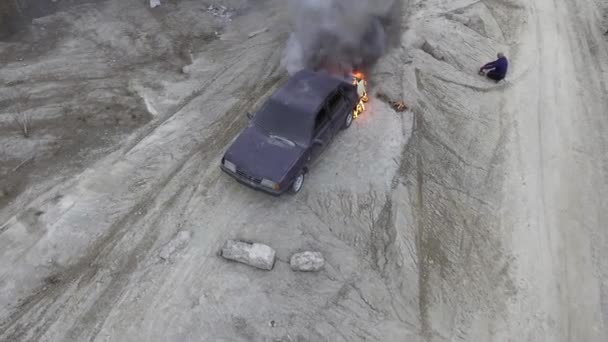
column 307, row 261
column 253, row 254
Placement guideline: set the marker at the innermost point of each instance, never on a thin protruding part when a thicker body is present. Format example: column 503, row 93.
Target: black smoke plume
column 341, row 35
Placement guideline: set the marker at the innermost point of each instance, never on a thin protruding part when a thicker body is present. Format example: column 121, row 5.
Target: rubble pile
column 221, row 12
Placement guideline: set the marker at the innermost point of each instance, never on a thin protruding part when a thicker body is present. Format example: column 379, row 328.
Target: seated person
column 496, row 70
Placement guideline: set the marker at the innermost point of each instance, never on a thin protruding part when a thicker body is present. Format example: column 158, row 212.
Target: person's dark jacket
column 500, row 66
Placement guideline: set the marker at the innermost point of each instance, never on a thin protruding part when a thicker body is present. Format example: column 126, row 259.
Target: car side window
column 321, row 119
column 334, row 102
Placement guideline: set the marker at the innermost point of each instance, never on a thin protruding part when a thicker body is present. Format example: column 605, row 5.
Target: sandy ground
column 479, row 215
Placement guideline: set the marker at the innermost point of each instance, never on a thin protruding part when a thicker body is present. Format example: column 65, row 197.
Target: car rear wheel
column 348, row 120
column 297, row 184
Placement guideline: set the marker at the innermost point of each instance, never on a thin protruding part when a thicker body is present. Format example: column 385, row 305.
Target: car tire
column 298, row 184
column 348, row 120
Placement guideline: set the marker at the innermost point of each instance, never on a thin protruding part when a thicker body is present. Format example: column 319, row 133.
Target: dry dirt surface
column 478, row 215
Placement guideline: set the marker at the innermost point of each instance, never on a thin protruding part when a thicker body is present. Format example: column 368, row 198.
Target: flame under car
column 291, row 129
column 361, row 84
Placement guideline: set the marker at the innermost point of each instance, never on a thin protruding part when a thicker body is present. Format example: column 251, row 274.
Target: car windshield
column 276, row 119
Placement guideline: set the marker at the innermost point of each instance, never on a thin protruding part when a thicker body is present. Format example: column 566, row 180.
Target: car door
column 338, row 107
column 323, row 132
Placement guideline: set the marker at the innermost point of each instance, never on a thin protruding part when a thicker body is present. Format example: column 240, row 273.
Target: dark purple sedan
column 290, row 130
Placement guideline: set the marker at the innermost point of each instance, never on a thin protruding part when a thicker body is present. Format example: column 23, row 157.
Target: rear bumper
column 251, row 184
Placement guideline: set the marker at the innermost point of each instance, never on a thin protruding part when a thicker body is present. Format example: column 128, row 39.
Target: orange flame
column 360, row 82
column 358, row 75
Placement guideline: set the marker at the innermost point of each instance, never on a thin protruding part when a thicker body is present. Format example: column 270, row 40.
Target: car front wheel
column 297, row 184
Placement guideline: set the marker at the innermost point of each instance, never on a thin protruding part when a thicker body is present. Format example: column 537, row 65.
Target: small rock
column 399, row 106
column 178, row 242
column 256, row 254
column 458, row 17
column 154, row 3
column 307, row 261
column 433, row 51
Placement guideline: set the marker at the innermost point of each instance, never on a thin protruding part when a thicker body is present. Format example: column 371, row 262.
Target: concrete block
column 253, row 254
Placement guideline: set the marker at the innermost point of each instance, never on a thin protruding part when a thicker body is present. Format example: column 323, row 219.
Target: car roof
column 306, row 91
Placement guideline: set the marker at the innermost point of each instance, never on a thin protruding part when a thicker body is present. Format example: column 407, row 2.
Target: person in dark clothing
column 496, row 70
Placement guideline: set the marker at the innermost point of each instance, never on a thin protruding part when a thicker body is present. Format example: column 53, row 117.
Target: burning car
column 290, row 131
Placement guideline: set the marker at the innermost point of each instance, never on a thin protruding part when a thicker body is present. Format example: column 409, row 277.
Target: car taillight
column 230, row 166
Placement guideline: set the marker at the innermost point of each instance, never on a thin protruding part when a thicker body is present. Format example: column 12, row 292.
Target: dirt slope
column 510, row 177
column 477, row 216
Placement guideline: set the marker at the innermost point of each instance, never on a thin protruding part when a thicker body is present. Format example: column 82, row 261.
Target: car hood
column 259, row 155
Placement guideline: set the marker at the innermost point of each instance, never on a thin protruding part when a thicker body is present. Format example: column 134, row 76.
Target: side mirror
column 249, row 115
column 317, row 142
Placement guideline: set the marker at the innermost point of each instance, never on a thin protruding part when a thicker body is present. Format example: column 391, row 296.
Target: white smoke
column 340, row 34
